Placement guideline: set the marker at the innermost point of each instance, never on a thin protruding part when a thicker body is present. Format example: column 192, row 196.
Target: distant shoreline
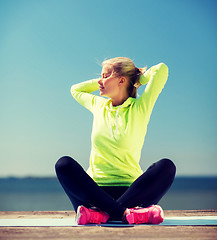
column 46, row 193
column 52, row 183
column 54, row 177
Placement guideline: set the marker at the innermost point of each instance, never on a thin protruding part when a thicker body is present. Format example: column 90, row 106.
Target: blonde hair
column 125, row 67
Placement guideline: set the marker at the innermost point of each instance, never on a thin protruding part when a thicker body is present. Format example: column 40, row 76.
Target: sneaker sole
column 80, row 214
column 161, row 219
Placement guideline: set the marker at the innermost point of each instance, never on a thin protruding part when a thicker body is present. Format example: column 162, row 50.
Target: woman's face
column 109, row 82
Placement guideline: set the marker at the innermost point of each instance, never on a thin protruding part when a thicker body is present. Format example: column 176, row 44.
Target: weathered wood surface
column 69, row 214
column 110, row 233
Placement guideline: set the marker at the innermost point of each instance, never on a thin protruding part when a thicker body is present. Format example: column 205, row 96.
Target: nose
column 100, row 81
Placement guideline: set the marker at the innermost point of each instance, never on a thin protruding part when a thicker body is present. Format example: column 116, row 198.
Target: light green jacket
column 118, row 133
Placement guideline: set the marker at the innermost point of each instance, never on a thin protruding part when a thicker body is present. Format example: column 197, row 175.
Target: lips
column 101, row 87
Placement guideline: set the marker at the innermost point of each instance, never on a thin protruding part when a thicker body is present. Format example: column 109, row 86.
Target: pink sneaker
column 153, row 214
column 88, row 215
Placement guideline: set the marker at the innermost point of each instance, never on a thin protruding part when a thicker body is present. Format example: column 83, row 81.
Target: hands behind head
column 137, row 84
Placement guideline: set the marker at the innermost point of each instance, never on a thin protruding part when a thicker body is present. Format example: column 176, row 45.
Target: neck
column 120, row 99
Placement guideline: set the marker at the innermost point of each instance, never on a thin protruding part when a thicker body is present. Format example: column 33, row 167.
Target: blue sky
column 48, row 45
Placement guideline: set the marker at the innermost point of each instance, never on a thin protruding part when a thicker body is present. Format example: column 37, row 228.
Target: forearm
column 85, row 87
column 81, row 92
column 159, row 71
column 155, row 78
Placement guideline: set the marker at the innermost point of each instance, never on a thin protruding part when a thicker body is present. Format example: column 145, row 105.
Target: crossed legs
column 148, row 189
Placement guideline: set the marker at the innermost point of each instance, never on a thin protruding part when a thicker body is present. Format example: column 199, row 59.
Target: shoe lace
column 142, row 217
column 95, row 217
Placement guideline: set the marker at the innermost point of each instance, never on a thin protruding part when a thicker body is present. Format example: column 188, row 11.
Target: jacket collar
column 127, row 103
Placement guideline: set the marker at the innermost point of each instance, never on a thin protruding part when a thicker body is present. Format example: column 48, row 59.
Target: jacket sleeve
column 155, row 78
column 82, row 94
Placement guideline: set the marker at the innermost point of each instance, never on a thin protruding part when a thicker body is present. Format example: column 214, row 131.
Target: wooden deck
column 104, row 233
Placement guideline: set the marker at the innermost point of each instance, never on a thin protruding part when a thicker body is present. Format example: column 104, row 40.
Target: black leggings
column 148, row 189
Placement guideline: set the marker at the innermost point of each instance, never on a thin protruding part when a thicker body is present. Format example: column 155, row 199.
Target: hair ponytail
column 133, row 80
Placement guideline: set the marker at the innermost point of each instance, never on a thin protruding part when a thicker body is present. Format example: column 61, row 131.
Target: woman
column 114, row 187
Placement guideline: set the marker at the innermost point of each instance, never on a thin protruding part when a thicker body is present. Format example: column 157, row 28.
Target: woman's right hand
column 137, row 85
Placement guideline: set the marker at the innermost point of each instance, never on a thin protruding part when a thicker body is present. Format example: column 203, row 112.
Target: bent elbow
column 72, row 89
column 164, row 67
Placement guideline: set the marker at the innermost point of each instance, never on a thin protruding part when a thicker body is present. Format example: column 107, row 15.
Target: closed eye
column 104, row 75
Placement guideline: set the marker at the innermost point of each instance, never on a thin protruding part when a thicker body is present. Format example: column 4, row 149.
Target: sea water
column 46, row 194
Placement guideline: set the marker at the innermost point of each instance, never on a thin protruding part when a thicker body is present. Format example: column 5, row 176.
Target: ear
column 122, row 80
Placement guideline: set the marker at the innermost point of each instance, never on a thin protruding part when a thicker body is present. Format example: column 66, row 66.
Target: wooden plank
column 110, row 233
column 69, row 214
column 147, row 232
column 37, row 214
